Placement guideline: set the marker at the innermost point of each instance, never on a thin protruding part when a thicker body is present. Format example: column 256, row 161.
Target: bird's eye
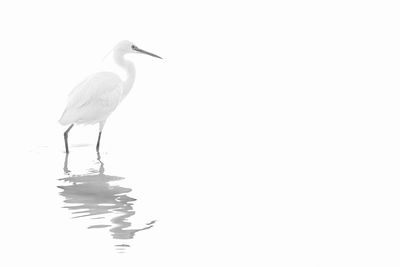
column 134, row 47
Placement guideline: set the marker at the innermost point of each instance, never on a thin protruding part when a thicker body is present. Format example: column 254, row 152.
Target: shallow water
column 90, row 195
column 169, row 203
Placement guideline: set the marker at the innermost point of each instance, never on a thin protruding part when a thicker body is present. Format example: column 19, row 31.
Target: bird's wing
column 93, row 99
column 93, row 89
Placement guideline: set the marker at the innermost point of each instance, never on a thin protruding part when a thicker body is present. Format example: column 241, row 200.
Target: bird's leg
column 66, row 171
column 101, row 169
column 101, row 126
column 66, row 138
column 98, row 142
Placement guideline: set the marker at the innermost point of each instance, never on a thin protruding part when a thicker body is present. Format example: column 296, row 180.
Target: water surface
column 97, row 197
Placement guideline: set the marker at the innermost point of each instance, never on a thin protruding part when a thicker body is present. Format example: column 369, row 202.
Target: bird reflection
column 91, row 195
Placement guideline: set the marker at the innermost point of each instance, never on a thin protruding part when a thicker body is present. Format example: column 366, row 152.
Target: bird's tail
column 63, row 120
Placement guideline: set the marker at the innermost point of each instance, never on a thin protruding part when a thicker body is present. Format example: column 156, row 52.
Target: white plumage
column 94, row 99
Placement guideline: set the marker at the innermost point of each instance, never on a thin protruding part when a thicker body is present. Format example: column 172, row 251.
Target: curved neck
column 130, row 72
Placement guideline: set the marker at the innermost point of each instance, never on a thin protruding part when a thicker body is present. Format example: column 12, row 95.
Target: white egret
column 95, row 98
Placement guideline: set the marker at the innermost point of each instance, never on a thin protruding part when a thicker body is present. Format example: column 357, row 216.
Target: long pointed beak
column 147, row 53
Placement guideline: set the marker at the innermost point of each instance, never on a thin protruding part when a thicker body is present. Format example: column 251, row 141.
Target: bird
column 94, row 99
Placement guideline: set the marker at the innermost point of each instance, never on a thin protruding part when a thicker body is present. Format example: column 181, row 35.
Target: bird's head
column 125, row 47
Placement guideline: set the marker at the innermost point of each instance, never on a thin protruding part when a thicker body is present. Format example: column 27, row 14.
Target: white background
column 267, row 136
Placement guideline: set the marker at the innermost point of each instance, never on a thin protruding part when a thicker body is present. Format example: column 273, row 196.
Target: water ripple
column 91, row 195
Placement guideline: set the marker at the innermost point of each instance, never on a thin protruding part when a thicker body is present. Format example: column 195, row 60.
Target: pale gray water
column 90, row 194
